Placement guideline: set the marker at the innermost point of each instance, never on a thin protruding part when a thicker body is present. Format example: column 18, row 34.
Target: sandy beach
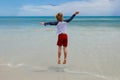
column 29, row 52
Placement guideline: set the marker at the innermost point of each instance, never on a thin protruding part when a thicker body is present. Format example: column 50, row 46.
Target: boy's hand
column 77, row 12
column 42, row 23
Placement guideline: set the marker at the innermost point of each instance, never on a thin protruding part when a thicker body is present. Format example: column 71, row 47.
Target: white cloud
column 116, row 7
column 92, row 7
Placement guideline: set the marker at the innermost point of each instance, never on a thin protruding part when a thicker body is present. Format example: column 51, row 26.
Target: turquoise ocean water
column 14, row 22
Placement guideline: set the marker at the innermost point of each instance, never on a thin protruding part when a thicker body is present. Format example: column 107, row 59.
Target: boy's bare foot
column 64, row 62
column 59, row 62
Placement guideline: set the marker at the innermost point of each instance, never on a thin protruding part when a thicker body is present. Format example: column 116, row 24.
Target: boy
column 61, row 26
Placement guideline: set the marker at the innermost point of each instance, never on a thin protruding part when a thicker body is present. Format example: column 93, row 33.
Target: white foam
column 87, row 73
column 39, row 69
column 13, row 65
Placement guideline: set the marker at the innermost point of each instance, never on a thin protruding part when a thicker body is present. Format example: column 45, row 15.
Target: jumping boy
column 61, row 26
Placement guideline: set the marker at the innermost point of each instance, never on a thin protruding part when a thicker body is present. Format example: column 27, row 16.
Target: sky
column 67, row 7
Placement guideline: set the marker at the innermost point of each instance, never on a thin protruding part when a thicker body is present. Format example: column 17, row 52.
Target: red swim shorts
column 62, row 40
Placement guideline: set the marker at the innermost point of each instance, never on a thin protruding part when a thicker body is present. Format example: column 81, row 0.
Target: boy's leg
column 65, row 54
column 59, row 54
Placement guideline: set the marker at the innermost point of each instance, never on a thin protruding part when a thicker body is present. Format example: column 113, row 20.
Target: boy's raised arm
column 55, row 23
column 48, row 23
column 68, row 20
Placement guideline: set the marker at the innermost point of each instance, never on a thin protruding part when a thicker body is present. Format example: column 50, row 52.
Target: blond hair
column 59, row 16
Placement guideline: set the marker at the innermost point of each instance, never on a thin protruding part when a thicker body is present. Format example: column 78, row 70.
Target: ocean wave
column 28, row 30
column 13, row 65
